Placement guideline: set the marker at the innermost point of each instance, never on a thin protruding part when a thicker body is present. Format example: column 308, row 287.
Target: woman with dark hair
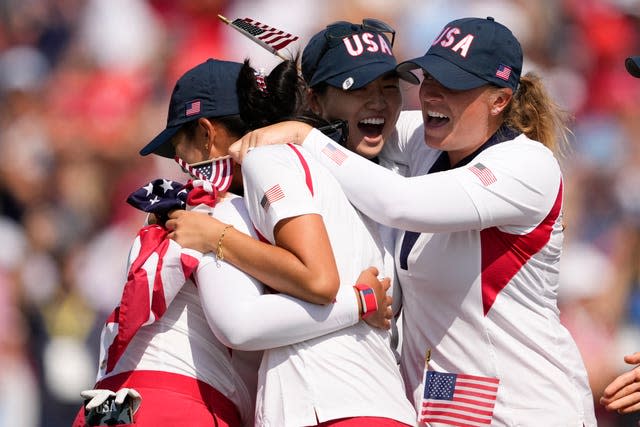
column 160, row 362
column 348, row 377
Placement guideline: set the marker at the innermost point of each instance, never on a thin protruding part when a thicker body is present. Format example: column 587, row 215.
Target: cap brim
column 447, row 74
column 633, row 65
column 367, row 73
column 160, row 145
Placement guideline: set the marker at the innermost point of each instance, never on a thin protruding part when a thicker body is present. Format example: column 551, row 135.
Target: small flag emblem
column 334, row 154
column 193, row 107
column 272, row 195
column 484, row 173
column 503, row 72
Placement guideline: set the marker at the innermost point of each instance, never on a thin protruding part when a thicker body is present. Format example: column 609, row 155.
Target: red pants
column 172, row 400
column 363, row 422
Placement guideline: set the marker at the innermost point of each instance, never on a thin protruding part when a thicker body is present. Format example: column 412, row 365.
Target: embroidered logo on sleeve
column 458, row 399
column 334, row 154
column 484, row 173
column 272, row 195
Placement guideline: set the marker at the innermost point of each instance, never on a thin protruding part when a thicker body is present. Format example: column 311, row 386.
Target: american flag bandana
column 457, row 399
column 218, row 171
column 158, row 268
column 263, row 34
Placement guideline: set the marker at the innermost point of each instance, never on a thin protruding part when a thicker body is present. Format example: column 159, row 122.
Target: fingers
column 373, row 270
column 633, row 359
column 388, row 314
column 97, row 396
column 625, row 404
column 123, row 393
column 176, row 213
column 234, row 151
column 624, row 384
column 629, row 409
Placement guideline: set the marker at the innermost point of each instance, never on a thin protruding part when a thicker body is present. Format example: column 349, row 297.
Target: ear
column 499, row 100
column 206, row 133
column 314, row 102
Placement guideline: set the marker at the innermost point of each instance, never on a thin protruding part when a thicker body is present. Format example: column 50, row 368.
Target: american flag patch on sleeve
column 458, row 399
column 272, row 195
column 334, row 154
column 484, row 173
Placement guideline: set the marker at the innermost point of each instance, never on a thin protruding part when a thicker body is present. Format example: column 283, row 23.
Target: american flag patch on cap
column 503, row 72
column 193, row 107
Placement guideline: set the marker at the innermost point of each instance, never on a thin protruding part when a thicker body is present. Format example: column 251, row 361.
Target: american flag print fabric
column 218, row 171
column 503, row 72
column 483, row 173
column 272, row 195
column 158, row 270
column 159, row 197
column 266, row 34
column 158, row 266
column 457, row 399
column 334, row 154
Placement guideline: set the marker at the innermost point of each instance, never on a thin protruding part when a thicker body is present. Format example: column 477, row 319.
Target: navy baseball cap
column 632, row 64
column 472, row 52
column 350, row 56
column 206, row 90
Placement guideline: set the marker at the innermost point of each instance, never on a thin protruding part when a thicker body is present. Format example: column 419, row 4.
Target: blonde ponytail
column 533, row 112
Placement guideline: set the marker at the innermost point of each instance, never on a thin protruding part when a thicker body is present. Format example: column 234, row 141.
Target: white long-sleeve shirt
column 479, row 276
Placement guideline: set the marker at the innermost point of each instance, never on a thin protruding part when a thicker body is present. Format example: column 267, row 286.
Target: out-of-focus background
column 84, row 84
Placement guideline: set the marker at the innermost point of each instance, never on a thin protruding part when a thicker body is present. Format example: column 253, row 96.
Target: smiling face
column 459, row 122
column 371, row 112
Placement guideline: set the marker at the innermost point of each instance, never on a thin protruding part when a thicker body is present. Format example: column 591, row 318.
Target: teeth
column 436, row 115
column 373, row 121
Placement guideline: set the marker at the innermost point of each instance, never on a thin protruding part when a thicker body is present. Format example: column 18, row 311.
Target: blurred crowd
column 84, row 85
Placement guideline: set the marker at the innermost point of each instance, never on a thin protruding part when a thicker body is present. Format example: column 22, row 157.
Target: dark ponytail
column 282, row 99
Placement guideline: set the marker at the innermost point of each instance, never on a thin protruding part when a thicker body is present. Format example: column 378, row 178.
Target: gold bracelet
column 219, row 253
